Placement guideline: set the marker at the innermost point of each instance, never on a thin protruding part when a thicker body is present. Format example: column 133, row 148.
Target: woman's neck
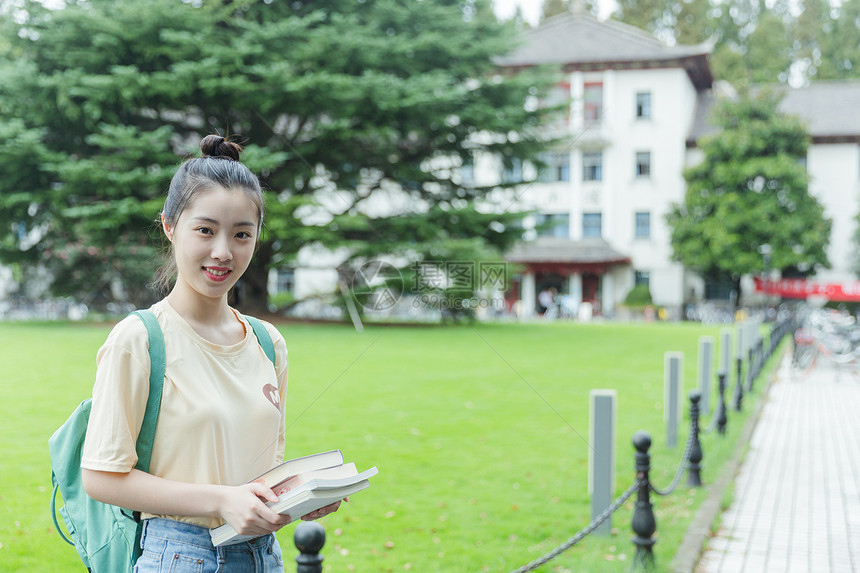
column 211, row 318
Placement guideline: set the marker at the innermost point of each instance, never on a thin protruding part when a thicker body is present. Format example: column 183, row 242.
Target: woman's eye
column 244, row 235
column 204, row 230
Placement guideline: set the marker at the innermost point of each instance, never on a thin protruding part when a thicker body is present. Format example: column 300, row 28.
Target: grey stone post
column 672, row 402
column 601, row 455
column 706, row 371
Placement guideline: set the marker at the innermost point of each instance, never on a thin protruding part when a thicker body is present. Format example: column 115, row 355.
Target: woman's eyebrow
column 212, row 221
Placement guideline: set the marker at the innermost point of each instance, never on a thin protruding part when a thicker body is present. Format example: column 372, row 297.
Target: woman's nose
column 221, row 249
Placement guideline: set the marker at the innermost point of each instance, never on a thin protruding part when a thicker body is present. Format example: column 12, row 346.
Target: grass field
column 479, row 433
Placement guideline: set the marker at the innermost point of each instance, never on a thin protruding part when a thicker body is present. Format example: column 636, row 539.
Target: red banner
column 848, row 291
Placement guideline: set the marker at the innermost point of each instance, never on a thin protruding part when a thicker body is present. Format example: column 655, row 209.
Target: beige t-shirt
column 222, row 407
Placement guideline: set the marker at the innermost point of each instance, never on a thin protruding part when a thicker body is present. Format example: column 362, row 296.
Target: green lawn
column 479, row 433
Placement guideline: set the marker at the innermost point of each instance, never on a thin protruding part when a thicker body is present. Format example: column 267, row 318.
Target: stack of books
column 311, row 482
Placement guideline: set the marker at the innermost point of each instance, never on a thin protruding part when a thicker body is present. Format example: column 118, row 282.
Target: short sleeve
column 120, row 393
column 282, row 373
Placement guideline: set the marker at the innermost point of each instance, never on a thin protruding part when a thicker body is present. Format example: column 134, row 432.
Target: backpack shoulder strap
column 157, row 366
column 263, row 337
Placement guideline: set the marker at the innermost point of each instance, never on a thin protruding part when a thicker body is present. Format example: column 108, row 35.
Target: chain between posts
column 713, row 425
column 582, row 533
column 681, row 467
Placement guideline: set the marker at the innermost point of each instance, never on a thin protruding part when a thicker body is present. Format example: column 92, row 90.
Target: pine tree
column 336, row 101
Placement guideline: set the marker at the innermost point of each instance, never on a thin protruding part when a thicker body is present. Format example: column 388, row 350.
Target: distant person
column 546, row 299
column 221, row 421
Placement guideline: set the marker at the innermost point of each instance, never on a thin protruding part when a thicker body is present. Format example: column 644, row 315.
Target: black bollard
column 722, row 417
column 694, row 465
column 739, row 387
column 644, row 523
column 757, row 359
column 309, row 538
column 750, row 369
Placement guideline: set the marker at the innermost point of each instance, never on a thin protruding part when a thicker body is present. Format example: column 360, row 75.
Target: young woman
column 221, row 421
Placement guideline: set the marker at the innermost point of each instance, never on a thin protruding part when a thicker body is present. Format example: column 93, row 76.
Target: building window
column 643, row 164
column 556, row 167
column 643, row 105
column 467, row 171
column 719, row 289
column 592, row 166
column 591, row 223
column 643, row 225
column 554, row 225
column 642, row 278
column 593, row 102
column 556, row 97
column 286, row 280
column 513, row 172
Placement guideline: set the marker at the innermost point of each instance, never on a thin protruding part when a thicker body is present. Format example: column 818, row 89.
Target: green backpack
column 107, row 537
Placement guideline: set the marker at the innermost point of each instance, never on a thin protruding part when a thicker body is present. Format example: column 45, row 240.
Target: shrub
column 639, row 295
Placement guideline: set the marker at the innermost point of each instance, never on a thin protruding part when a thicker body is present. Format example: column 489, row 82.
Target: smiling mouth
column 216, row 274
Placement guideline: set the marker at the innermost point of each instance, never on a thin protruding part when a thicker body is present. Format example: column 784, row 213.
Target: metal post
column 750, row 369
column 309, row 538
column 739, row 387
column 757, row 359
column 694, row 465
column 644, row 522
column 776, row 335
column 722, row 418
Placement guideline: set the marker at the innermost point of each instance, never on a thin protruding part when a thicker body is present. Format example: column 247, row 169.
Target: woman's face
column 213, row 241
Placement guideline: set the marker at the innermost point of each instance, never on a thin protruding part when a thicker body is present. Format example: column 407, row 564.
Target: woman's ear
column 168, row 232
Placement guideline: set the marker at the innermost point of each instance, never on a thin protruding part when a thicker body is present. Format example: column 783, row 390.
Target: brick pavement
column 796, row 505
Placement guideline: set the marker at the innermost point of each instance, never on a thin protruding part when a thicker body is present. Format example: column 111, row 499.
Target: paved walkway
column 796, row 504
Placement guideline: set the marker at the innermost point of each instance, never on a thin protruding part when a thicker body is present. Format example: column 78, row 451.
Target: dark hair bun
column 217, row 147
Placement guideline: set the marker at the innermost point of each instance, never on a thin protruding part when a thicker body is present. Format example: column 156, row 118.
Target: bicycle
column 830, row 337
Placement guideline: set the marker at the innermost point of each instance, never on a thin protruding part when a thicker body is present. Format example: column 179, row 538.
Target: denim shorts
column 171, row 546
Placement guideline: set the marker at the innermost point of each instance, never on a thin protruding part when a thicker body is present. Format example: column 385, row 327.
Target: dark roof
column 702, row 124
column 581, row 42
column 829, row 109
column 553, row 250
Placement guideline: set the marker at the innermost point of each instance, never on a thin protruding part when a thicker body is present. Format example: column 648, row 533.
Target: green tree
column 655, row 16
column 767, row 57
column 553, row 8
column 827, row 40
column 752, row 43
column 337, row 101
column 750, row 189
column 694, row 23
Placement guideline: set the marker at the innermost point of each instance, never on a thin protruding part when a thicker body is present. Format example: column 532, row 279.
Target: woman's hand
column 244, row 507
column 321, row 512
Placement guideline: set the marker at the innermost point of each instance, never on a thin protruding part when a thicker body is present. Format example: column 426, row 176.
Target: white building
column 637, row 107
